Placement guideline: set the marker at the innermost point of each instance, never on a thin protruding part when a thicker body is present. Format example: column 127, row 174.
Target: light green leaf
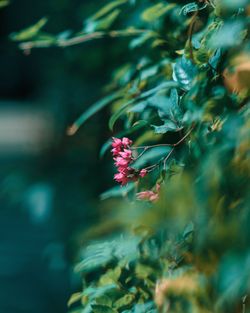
column 143, row 271
column 107, row 8
column 30, row 32
column 74, row 298
column 4, row 3
column 156, row 11
column 102, row 24
column 124, row 301
column 110, row 277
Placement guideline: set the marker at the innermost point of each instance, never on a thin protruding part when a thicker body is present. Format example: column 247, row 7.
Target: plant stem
column 28, row 45
column 165, row 144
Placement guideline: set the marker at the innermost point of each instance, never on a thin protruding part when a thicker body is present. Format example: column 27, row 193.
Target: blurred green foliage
column 185, row 83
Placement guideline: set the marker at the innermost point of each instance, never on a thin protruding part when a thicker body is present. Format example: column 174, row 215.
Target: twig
column 165, row 144
column 166, row 158
column 28, row 45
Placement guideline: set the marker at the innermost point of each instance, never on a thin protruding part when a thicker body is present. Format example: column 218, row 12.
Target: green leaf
column 102, row 309
column 30, row 32
column 102, row 24
column 168, row 126
column 184, row 72
column 168, row 107
column 103, row 300
column 143, row 271
column 75, row 297
column 110, row 277
column 152, row 155
column 107, row 8
column 117, row 191
column 119, row 113
column 156, row 11
column 95, row 256
column 188, row 229
column 192, row 7
column 228, row 35
column 139, row 107
column 139, row 41
column 145, row 94
column 124, row 301
column 4, row 3
column 96, row 107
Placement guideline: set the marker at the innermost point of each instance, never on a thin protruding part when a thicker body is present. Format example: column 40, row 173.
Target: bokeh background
column 50, row 182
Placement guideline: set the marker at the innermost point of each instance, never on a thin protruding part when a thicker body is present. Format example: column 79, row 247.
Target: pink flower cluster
column 123, row 158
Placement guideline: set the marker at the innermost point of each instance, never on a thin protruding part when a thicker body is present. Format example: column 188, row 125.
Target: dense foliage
column 182, row 96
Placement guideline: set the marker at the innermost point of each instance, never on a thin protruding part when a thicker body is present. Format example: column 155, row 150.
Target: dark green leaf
column 168, row 126
column 97, row 106
column 184, row 73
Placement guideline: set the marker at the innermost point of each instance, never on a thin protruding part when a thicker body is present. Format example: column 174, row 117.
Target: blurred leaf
column 97, row 106
column 228, row 35
column 4, row 3
column 104, row 300
column 30, row 32
column 156, row 11
column 117, row 191
column 101, row 24
column 74, row 298
column 107, row 8
column 102, row 309
column 139, row 41
column 143, row 271
column 124, row 301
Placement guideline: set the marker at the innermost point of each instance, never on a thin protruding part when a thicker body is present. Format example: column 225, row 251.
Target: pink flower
column 117, row 143
column 120, row 162
column 143, row 172
column 126, row 142
column 126, row 154
column 123, row 158
column 116, row 151
column 121, row 178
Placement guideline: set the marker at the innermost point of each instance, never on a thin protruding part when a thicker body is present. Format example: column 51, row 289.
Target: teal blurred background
column 50, row 182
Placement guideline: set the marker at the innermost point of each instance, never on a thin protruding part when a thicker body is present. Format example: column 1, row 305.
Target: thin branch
column 166, row 158
column 166, row 144
column 28, row 45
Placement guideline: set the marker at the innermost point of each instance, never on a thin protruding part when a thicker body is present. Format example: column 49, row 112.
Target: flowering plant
column 186, row 248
